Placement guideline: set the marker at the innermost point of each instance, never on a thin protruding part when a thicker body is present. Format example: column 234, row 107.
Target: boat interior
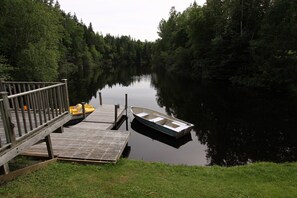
column 164, row 121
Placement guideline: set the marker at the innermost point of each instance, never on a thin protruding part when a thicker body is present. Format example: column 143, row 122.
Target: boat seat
column 142, row 114
column 157, row 119
column 177, row 129
column 179, row 123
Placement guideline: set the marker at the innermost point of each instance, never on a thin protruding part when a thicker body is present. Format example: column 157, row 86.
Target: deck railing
column 19, row 87
column 27, row 107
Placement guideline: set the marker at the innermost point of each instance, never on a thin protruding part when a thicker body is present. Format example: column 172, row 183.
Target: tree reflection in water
column 82, row 90
column 238, row 125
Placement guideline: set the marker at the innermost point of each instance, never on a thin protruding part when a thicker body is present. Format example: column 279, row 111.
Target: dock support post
column 49, row 147
column 5, row 168
column 59, row 130
column 126, row 108
column 126, row 102
column 100, row 99
column 116, row 114
column 83, row 109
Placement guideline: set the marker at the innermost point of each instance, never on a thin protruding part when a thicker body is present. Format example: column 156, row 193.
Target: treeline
column 40, row 42
column 248, row 42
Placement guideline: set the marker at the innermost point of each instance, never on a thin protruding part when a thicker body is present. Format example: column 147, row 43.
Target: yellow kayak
column 77, row 109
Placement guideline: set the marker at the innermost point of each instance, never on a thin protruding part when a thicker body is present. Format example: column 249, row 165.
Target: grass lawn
column 131, row 178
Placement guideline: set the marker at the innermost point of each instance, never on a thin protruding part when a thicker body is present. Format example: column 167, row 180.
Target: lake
column 233, row 125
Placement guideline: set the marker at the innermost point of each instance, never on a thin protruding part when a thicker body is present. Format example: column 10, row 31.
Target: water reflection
column 233, row 126
column 238, row 125
column 156, row 135
column 84, row 88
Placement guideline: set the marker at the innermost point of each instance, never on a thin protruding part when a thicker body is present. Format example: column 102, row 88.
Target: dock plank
column 104, row 114
column 92, row 125
column 90, row 140
column 87, row 144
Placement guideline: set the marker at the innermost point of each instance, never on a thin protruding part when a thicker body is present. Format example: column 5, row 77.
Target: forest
column 246, row 42
column 40, row 42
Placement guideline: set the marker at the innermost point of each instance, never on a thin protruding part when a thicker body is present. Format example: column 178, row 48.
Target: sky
column 137, row 18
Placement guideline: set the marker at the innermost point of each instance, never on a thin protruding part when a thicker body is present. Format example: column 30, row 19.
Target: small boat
column 77, row 113
column 77, row 109
column 166, row 124
column 160, row 137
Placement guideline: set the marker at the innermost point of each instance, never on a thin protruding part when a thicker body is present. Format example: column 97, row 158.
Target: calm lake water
column 233, row 126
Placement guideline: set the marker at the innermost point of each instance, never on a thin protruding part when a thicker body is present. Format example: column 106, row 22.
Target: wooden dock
column 30, row 112
column 90, row 140
column 103, row 118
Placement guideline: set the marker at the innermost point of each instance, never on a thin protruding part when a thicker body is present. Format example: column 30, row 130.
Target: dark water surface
column 233, row 126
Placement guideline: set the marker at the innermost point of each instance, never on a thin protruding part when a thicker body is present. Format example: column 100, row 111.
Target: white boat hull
column 161, row 122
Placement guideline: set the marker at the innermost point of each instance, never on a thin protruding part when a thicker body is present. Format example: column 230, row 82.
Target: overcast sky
column 137, row 18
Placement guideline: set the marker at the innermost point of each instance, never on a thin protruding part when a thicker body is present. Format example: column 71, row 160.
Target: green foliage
column 42, row 43
column 38, row 63
column 276, row 48
column 5, row 69
column 30, row 35
column 140, row 179
column 126, row 52
column 249, row 42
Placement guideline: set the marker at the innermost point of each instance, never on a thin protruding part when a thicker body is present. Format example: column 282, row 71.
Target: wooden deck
column 90, row 140
column 23, row 127
column 102, row 118
column 30, row 112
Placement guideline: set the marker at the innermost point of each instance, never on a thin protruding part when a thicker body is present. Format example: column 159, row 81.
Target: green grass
column 141, row 179
column 22, row 162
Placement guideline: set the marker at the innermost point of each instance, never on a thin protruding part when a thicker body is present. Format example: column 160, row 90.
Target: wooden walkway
column 102, row 118
column 90, row 140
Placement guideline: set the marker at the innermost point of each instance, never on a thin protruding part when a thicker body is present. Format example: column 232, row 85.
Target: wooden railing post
column 6, row 118
column 2, row 84
column 66, row 93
